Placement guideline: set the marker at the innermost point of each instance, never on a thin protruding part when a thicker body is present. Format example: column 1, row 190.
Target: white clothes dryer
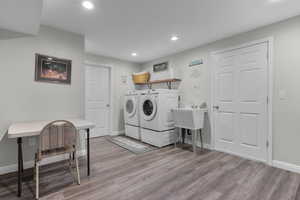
column 131, row 108
column 132, row 115
column 157, row 124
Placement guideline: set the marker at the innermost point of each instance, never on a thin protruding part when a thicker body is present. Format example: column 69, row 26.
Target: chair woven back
column 57, row 135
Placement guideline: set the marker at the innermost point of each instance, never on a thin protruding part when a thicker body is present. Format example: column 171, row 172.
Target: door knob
column 107, row 105
column 216, row 107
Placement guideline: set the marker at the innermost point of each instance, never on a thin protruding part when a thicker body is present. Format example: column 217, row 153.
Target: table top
column 33, row 128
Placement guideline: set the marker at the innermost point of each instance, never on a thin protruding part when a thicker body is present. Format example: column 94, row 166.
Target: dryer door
column 149, row 108
column 130, row 106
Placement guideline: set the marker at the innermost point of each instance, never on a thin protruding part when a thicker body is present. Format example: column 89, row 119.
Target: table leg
column 22, row 163
column 88, row 151
column 20, row 166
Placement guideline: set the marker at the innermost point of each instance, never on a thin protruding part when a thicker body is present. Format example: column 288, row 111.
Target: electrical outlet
column 32, row 141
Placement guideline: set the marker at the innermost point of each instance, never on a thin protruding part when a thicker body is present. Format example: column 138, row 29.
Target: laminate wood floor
column 164, row 174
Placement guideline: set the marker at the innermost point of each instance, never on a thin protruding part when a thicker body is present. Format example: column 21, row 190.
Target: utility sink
column 189, row 118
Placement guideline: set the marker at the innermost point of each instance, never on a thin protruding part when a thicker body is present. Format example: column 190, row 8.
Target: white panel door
column 97, row 99
column 240, row 101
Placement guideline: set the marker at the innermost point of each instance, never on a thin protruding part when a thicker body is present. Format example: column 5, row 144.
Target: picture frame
column 52, row 70
column 160, row 67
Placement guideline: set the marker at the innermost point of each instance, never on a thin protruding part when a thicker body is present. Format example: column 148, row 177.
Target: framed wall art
column 53, row 70
column 160, row 67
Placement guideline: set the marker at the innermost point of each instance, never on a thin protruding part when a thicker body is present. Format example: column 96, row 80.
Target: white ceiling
column 117, row 28
column 21, row 16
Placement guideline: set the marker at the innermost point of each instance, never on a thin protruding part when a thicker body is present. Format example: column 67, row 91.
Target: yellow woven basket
column 140, row 78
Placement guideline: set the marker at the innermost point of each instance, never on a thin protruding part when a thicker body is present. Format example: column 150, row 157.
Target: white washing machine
column 157, row 124
column 131, row 114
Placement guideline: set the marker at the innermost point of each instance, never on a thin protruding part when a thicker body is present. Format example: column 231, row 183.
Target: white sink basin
column 189, row 118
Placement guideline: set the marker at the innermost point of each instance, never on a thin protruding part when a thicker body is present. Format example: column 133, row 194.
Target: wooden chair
column 57, row 138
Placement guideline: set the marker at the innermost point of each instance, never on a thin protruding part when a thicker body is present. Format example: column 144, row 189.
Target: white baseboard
column 114, row 133
column 29, row 164
column 206, row 146
column 286, row 166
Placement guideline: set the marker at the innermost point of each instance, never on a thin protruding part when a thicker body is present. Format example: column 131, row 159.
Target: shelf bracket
column 169, row 84
column 149, row 86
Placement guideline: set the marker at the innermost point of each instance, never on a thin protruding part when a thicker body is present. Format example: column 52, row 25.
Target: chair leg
column 70, row 160
column 34, row 171
column 77, row 169
column 37, row 180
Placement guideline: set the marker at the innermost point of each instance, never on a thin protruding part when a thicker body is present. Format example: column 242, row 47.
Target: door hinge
column 267, row 144
column 267, row 99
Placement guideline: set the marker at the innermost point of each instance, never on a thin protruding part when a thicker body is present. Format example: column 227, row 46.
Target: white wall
column 23, row 99
column 21, row 16
column 195, row 86
column 119, row 68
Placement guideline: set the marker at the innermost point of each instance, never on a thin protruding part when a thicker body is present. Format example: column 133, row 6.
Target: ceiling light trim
column 174, row 38
column 88, row 5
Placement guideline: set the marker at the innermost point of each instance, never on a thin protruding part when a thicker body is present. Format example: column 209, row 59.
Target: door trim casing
column 111, row 90
column 270, row 41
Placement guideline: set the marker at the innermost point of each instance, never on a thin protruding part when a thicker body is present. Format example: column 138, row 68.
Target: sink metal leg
column 177, row 135
column 183, row 134
column 201, row 139
column 194, row 139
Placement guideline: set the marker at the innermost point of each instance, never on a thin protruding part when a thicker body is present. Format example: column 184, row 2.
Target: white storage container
column 158, row 139
column 132, row 131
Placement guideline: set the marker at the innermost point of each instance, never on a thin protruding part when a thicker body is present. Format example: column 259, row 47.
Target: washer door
column 130, row 106
column 149, row 108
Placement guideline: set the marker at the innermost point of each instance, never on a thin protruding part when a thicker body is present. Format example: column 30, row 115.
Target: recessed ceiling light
column 88, row 5
column 174, row 38
column 133, row 54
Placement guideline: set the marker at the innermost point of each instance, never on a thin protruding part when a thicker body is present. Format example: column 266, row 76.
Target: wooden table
column 34, row 128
